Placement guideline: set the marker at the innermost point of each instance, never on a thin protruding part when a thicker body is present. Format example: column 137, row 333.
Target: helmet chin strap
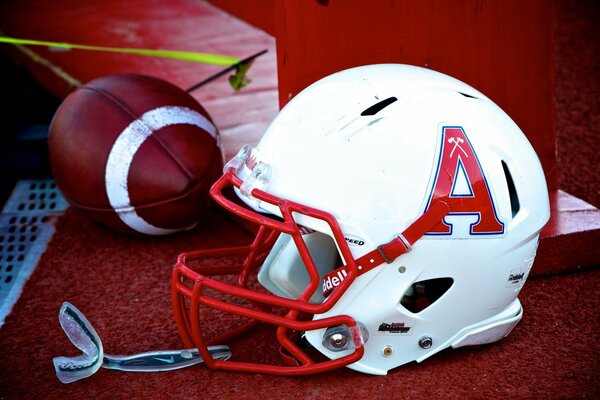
column 388, row 252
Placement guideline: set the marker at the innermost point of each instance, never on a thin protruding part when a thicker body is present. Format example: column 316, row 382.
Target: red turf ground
column 122, row 286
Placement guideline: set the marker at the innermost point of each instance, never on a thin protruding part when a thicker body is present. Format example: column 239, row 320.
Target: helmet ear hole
column 420, row 295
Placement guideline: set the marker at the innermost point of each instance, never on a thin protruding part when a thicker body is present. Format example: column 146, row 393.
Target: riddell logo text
column 331, row 282
column 514, row 278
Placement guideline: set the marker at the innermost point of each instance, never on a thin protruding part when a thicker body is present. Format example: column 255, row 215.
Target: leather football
column 135, row 153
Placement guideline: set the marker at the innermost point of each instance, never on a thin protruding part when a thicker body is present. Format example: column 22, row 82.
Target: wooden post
column 502, row 48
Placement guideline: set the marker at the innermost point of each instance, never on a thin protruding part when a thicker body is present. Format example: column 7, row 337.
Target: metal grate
column 35, row 197
column 26, row 227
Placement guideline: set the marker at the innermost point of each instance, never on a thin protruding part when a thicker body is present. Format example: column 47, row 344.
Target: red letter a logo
column 459, row 181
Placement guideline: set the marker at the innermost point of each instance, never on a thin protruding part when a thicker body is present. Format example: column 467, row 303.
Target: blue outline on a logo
column 478, row 214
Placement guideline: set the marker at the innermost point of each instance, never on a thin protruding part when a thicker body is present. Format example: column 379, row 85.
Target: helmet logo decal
column 457, row 141
column 515, row 278
column 354, row 240
column 396, row 328
column 460, row 182
column 331, row 282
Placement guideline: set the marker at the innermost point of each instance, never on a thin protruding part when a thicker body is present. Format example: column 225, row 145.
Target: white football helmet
column 398, row 214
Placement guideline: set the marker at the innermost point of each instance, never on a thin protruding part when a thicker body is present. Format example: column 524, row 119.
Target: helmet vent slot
column 468, row 95
column 512, row 191
column 420, row 295
column 375, row 108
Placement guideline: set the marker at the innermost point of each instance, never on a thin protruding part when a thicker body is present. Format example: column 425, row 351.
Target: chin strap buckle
column 403, row 241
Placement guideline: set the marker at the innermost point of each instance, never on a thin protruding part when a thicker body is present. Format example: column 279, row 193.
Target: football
column 135, row 153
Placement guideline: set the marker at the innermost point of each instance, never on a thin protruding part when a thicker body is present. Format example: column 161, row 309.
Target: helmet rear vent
column 468, row 95
column 420, row 295
column 512, row 191
column 375, row 108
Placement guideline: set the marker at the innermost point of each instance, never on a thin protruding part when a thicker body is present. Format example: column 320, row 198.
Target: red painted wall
column 504, row 48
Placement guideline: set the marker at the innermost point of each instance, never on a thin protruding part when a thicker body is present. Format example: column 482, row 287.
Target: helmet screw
column 338, row 340
column 425, row 342
column 387, row 351
column 402, row 269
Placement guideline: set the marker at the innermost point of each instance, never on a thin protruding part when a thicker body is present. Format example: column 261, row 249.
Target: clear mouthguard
column 250, row 167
